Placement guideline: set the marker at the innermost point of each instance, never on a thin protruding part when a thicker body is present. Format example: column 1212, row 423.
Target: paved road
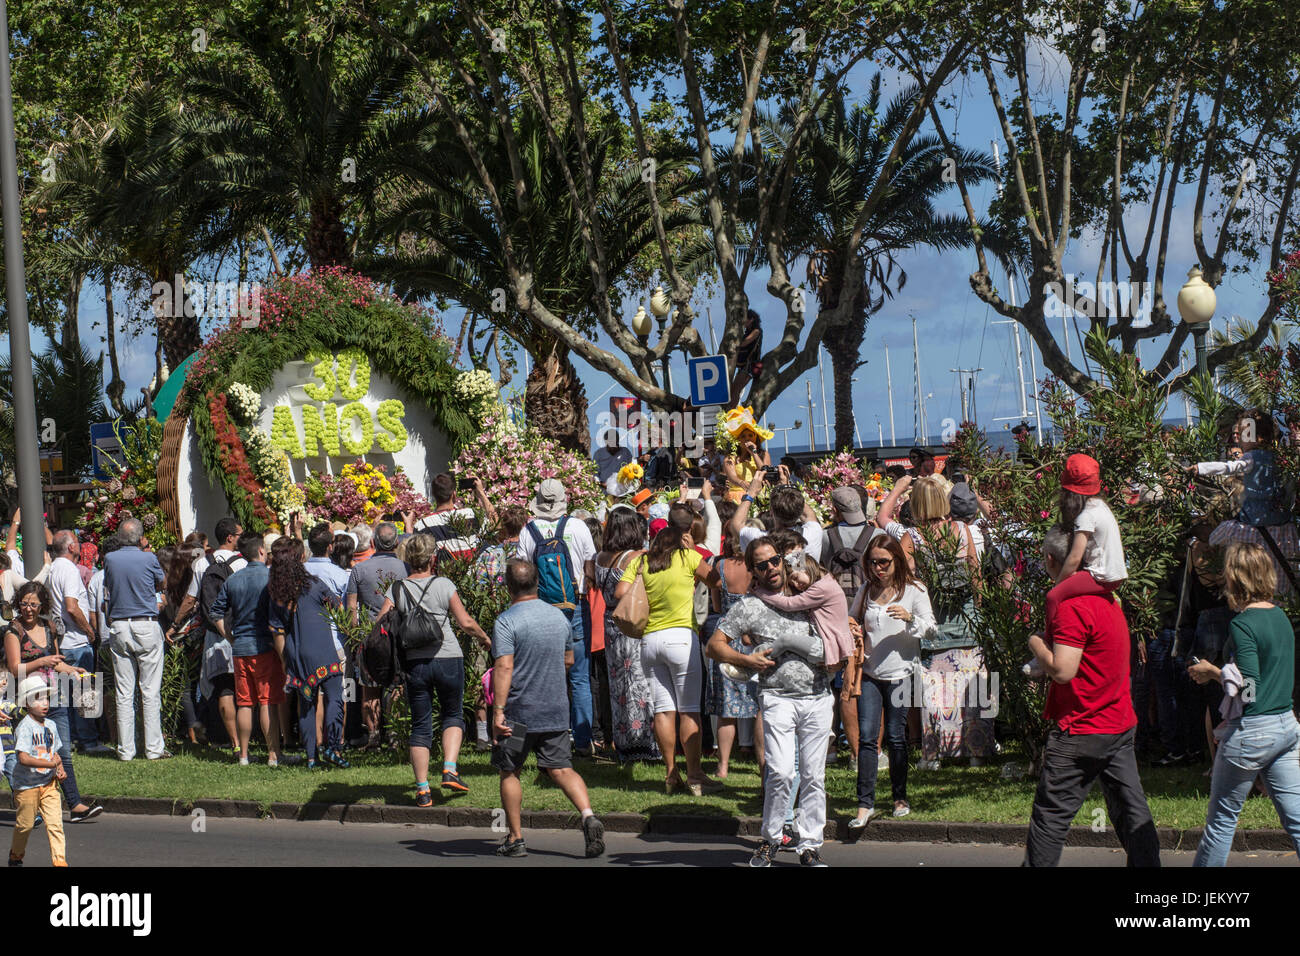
column 122, row 840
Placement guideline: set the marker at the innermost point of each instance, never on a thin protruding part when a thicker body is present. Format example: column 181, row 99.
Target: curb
column 666, row 824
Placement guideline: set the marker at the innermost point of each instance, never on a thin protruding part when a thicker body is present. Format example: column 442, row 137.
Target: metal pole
column 826, row 425
column 713, row 342
column 889, row 387
column 1198, row 333
column 28, row 464
column 1187, row 404
column 812, row 429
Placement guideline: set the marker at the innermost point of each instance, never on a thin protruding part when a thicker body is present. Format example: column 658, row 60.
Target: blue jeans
column 445, row 678
column 11, row 758
column 1267, row 744
column 877, row 700
column 85, row 732
column 580, row 707
column 60, row 716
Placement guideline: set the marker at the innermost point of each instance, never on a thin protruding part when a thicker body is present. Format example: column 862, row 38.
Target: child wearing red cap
column 1095, row 544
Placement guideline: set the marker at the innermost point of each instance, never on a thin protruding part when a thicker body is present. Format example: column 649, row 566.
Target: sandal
column 424, row 797
column 673, row 784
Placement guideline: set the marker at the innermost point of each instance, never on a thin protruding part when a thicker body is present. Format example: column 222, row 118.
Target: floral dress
column 729, row 698
column 630, row 700
column 954, row 683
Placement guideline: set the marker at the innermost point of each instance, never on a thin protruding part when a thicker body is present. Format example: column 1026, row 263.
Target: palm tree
column 293, row 135
column 121, row 183
column 442, row 240
column 840, row 158
column 69, row 389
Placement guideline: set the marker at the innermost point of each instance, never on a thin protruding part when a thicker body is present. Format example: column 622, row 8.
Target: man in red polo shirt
column 1092, row 717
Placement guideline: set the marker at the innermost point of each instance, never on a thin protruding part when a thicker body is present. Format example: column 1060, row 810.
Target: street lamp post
column 27, row 466
column 661, row 305
column 1196, row 304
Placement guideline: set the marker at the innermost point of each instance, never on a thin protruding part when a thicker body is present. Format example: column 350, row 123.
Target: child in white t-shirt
column 35, row 776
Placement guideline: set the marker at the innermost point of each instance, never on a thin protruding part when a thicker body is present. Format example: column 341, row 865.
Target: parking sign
column 710, row 384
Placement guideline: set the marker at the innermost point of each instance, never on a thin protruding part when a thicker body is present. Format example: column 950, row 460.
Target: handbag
column 633, row 611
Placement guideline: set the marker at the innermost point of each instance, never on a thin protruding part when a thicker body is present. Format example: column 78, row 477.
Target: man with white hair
column 68, row 596
column 365, row 538
column 132, row 579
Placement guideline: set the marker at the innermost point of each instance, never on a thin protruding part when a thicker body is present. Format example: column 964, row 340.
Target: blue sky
column 954, row 328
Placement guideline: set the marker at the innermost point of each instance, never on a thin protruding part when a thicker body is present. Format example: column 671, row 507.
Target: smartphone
column 696, row 483
column 464, row 484
column 1193, row 660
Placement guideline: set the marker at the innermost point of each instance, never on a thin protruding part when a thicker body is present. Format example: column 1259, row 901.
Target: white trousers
column 137, row 651
column 789, row 723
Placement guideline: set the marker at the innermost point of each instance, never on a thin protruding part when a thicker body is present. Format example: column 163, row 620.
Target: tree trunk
column 555, row 402
column 116, row 387
column 178, row 330
column 845, row 345
column 327, row 241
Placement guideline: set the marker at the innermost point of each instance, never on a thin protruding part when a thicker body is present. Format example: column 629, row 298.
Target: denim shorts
column 441, row 677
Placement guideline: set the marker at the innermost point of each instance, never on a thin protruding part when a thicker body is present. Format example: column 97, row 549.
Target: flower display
column 360, row 492
column 630, row 472
column 511, row 465
column 477, row 391
column 133, row 492
column 245, row 404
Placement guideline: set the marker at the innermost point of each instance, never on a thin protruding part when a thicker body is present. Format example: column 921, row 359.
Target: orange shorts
column 259, row 680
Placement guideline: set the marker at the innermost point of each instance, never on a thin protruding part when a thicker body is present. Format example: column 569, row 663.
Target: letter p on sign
column 710, row 384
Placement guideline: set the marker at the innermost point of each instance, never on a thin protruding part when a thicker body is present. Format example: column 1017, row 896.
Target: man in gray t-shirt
column 795, row 701
column 531, row 651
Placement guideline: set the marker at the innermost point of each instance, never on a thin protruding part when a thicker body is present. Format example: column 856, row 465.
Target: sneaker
column 243, row 761
column 162, row 756
column 763, row 855
column 312, row 764
column 38, row 821
column 512, row 848
column 593, row 835
column 359, row 741
column 902, row 808
column 89, row 813
column 333, row 756
column 1170, row 760
column 13, row 862
column 859, row 823
column 788, row 837
column 424, row 797
column 483, row 746
column 811, row 858
column 451, row 781
column 98, row 749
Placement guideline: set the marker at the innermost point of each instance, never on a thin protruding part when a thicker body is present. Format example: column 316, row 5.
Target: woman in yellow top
column 741, row 467
column 670, row 649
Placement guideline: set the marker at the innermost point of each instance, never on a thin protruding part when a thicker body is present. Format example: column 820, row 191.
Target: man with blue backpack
column 561, row 546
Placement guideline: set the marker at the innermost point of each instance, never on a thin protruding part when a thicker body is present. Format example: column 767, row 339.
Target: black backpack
column 413, row 624
column 216, row 574
column 845, row 563
column 381, row 655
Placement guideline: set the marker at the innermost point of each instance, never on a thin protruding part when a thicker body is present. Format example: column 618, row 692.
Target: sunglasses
column 764, row 565
column 882, row 562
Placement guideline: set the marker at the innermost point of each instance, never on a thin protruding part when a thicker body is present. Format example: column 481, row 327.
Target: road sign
column 104, row 447
column 710, row 384
column 708, row 420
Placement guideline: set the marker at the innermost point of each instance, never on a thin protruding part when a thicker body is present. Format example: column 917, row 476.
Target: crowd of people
column 678, row 632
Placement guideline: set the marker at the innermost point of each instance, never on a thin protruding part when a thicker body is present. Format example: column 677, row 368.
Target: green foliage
column 1153, row 502
column 327, row 310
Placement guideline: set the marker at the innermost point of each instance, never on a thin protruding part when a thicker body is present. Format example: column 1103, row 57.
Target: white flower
column 244, row 402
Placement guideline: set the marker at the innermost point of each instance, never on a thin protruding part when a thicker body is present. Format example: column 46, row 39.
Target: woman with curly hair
column 300, row 624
